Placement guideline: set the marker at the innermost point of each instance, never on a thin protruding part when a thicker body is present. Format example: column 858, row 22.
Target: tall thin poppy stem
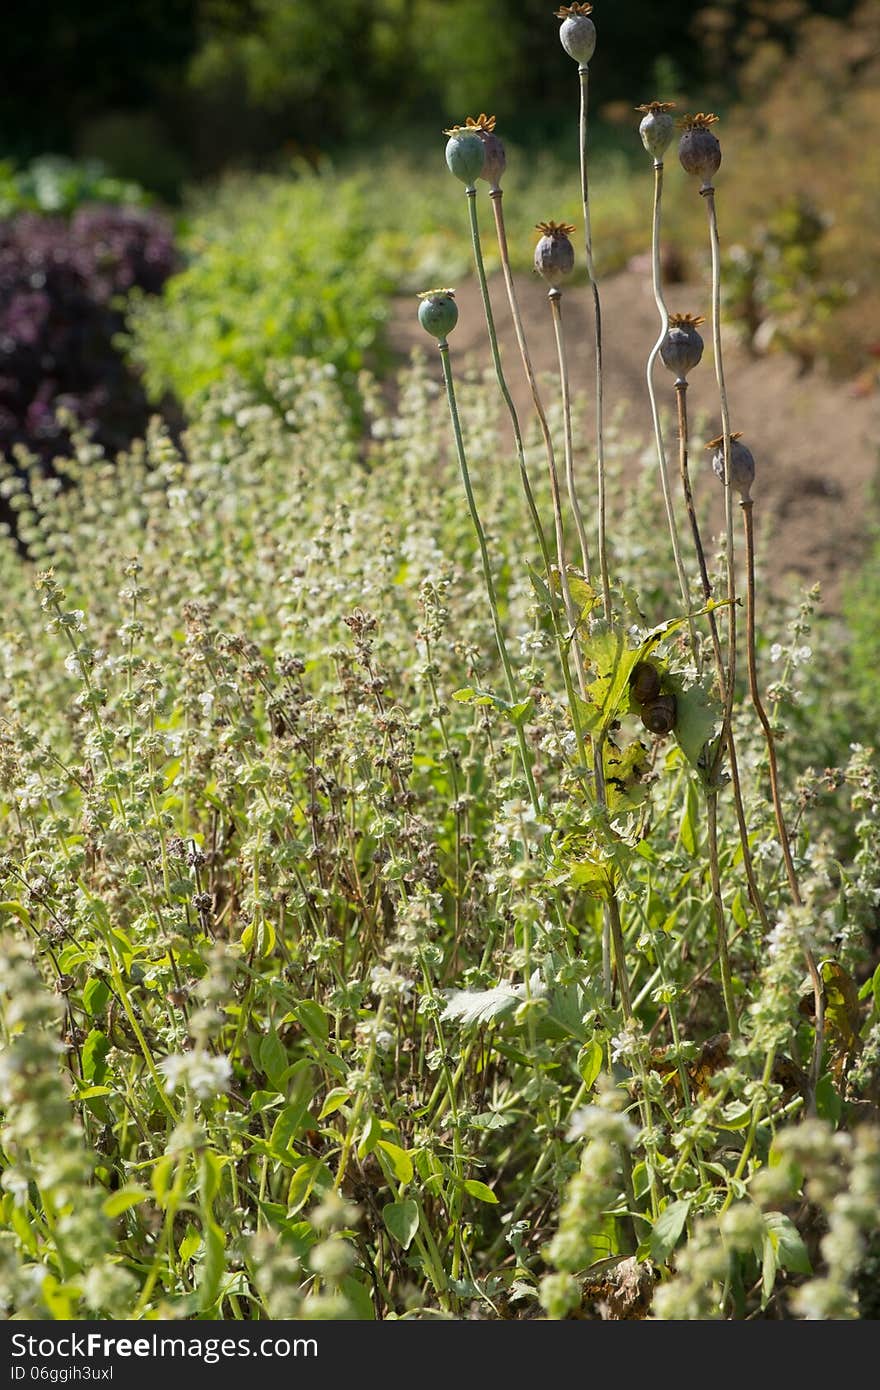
column 525, row 756
column 584, row 74
column 555, row 298
column 655, row 412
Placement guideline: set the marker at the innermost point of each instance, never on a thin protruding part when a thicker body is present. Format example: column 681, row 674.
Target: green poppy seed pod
column 682, row 347
column 698, row 148
column 644, row 682
column 554, row 253
column 657, row 127
column 658, row 715
column 577, row 33
column 438, row 312
column 742, row 464
column 465, row 153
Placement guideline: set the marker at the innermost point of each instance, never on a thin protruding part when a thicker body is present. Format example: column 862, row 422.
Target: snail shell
column 644, row 682
column 658, row 715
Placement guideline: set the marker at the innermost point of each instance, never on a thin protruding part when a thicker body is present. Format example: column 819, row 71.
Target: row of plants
column 413, row 908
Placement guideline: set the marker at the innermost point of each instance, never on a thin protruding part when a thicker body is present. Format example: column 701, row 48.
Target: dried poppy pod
column 742, row 464
column 438, row 312
column 682, row 348
column 658, row 715
column 554, row 253
column 577, row 33
column 494, row 156
column 644, row 682
column 698, row 148
column 657, row 127
column 465, row 153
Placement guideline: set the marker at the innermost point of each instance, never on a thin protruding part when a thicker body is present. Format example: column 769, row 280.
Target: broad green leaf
column 122, row 1199
column 358, row 1295
column 95, row 995
column 16, row 909
column 400, row 1160
column 696, row 716
column 791, row 1253
column 482, row 1005
column 589, row 1062
column 191, row 1243
column 474, row 1188
column 667, row 1230
column 313, row 1019
column 401, row 1220
column 310, row 1174
column 464, row 695
column 370, row 1136
column 273, row 1057
column 624, row 770
column 292, row 1120
column 94, row 1055
column 259, row 937
column 334, row 1099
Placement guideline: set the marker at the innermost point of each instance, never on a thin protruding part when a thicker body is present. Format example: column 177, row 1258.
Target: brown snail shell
column 658, row 715
column 644, row 682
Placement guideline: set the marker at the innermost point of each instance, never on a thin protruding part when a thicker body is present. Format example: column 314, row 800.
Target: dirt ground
column 816, row 442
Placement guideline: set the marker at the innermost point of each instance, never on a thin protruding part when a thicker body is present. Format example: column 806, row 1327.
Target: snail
column 658, row 715
column 644, row 682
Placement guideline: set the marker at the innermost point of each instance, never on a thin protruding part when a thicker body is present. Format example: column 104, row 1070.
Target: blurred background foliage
column 168, row 90
column 295, row 151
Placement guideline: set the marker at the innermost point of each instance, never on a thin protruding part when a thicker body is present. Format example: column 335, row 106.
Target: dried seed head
column 658, row 716
column 577, row 33
column 438, row 312
column 657, row 126
column 554, row 253
column 698, row 149
column 682, row 347
column 465, row 153
column 742, row 464
column 495, row 158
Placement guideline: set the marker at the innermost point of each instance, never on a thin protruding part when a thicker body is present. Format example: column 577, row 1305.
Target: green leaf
column 290, row 1122
column 370, row 1136
column 259, row 937
column 791, row 1253
column 122, row 1199
column 624, row 770
column 191, row 1243
column 482, row 1005
column 95, row 995
column 401, row 1220
column 313, row 1019
column 273, row 1057
column 359, row 1297
column 213, row 1264
column 310, row 1174
column 667, row 1229
column 15, row 909
column 480, row 1191
column 94, row 1055
column 400, row 1160
column 689, row 821
column 696, row 716
column 333, row 1100
column 464, row 695
column 589, row 1062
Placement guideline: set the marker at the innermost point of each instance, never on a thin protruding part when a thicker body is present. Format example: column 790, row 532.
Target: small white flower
column 776, row 651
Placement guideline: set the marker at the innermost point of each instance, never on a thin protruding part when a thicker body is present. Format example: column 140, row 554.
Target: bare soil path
column 817, row 444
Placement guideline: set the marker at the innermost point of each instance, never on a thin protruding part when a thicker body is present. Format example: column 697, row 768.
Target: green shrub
column 277, row 268
column 263, row 882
